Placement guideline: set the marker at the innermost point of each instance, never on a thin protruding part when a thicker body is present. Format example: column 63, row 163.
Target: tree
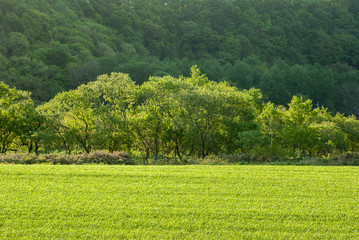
column 153, row 115
column 114, row 111
column 15, row 106
column 270, row 121
column 30, row 130
column 297, row 131
column 350, row 127
column 17, row 44
column 215, row 111
column 71, row 116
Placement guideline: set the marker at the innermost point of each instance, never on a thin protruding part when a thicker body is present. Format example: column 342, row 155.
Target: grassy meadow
column 178, row 202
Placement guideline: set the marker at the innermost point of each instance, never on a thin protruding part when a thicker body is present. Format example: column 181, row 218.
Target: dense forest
column 283, row 47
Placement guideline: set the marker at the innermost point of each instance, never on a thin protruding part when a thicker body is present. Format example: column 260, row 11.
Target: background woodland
column 283, row 47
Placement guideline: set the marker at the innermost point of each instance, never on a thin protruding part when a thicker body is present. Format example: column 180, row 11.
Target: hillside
column 283, row 47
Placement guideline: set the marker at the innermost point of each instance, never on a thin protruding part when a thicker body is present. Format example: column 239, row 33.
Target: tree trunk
column 147, row 156
column 30, row 147
column 156, row 148
column 203, row 153
column 37, row 148
column 177, row 152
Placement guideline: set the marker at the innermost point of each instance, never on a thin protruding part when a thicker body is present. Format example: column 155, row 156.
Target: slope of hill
column 283, row 47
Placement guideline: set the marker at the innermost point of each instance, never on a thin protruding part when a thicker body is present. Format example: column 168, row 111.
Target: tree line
column 171, row 117
column 283, row 47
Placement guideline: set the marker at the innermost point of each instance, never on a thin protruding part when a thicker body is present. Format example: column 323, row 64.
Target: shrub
column 349, row 158
column 214, row 160
column 65, row 159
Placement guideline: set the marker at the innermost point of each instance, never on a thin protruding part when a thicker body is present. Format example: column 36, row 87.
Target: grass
column 178, row 202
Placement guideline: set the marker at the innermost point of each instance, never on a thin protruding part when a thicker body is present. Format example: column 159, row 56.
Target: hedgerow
column 98, row 157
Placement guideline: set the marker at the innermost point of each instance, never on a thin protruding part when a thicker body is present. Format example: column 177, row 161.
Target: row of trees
column 173, row 117
column 303, row 130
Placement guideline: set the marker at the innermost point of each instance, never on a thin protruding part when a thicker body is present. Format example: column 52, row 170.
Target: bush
column 213, row 160
column 239, row 158
column 349, row 158
column 268, row 154
column 122, row 158
column 65, row 159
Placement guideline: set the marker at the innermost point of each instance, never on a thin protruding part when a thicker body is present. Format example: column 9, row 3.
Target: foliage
column 18, row 119
column 285, row 48
column 169, row 119
column 97, row 157
column 297, row 132
column 94, row 114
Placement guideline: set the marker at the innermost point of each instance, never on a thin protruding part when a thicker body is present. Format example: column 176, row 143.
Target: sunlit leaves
column 16, row 115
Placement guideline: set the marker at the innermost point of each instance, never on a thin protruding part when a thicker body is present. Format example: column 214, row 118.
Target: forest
column 283, row 47
column 180, row 78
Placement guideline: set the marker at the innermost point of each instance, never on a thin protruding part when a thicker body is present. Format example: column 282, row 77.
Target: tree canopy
column 283, row 47
column 171, row 118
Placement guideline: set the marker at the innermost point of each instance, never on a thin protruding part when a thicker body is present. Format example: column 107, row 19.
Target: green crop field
column 178, row 202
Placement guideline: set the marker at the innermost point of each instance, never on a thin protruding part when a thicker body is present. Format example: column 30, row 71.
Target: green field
column 178, row 202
